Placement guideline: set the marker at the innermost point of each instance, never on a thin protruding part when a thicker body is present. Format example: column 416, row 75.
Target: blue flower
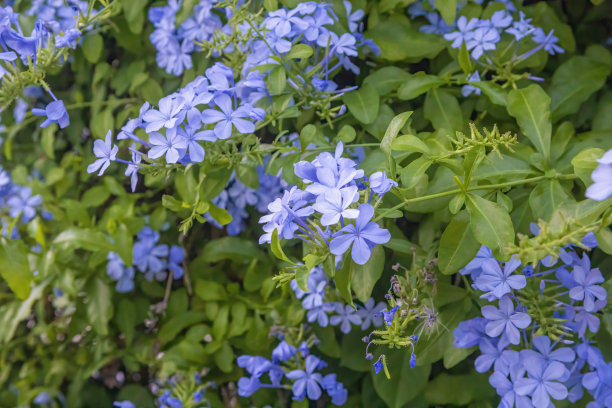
column 335, row 389
column 175, row 260
column 587, row 288
column 346, row 316
column 491, row 353
column 483, row 260
column 227, row 117
column 353, row 18
column 521, row 28
column 380, row 184
column 42, row 398
column 169, row 115
column 25, row 203
column 166, row 400
column 546, row 353
column 319, row 314
column 132, row 168
column 286, row 215
column 370, row 313
column 497, row 282
column 283, row 352
column 601, row 188
column 116, row 269
column 105, row 152
column 363, row 236
column 55, row 112
column 542, row 382
column 307, row 381
column 68, row 38
column 378, row 365
column 247, row 386
column 505, row 320
column 463, row 33
column 483, row 39
column 171, row 145
column 548, row 41
column 389, row 315
column 467, row 90
column 334, row 205
column 436, row 25
column 282, row 21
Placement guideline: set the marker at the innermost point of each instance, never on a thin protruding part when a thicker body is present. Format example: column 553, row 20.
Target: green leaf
column 443, row 111
column 89, row 239
column 546, row 197
column 363, row 103
column 232, row 248
column 126, row 319
column 209, row 290
column 392, row 130
column 15, row 268
column 496, row 94
column 99, row 305
column 405, row 384
column 95, row 196
column 347, row 134
column 411, row 174
column 277, row 80
column 299, row 51
column 92, row 47
column 387, row 79
column 365, row 276
column 137, row 394
column 224, row 358
column 418, row 84
column 459, row 390
column 531, row 108
column 448, row 10
column 48, row 140
column 585, row 162
column 574, row 82
column 219, row 214
column 465, row 62
column 393, row 35
column 490, row 224
column 457, row 245
column 344, row 277
column 410, row 143
column 277, row 250
column 173, row 204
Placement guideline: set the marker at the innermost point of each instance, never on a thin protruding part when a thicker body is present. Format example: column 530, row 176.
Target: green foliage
column 471, row 171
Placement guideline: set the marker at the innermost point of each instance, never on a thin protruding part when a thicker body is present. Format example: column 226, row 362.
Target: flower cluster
column 535, row 335
column 481, row 37
column 601, row 188
column 182, row 392
column 59, row 16
column 236, row 197
column 331, row 190
column 55, row 31
column 334, row 313
column 409, row 314
column 18, row 201
column 152, row 259
column 174, row 44
column 296, row 365
column 228, row 107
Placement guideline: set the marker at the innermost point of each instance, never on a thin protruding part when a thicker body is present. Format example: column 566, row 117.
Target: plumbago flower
column 293, row 365
column 601, row 188
column 152, row 259
column 537, row 342
column 332, row 190
column 408, row 316
column 184, row 119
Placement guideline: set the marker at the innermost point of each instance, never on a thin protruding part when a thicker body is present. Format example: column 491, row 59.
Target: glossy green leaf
column 363, row 103
column 531, row 108
column 15, row 268
column 365, row 276
column 458, row 246
column 99, row 306
column 443, row 111
column 490, row 224
column 418, row 84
